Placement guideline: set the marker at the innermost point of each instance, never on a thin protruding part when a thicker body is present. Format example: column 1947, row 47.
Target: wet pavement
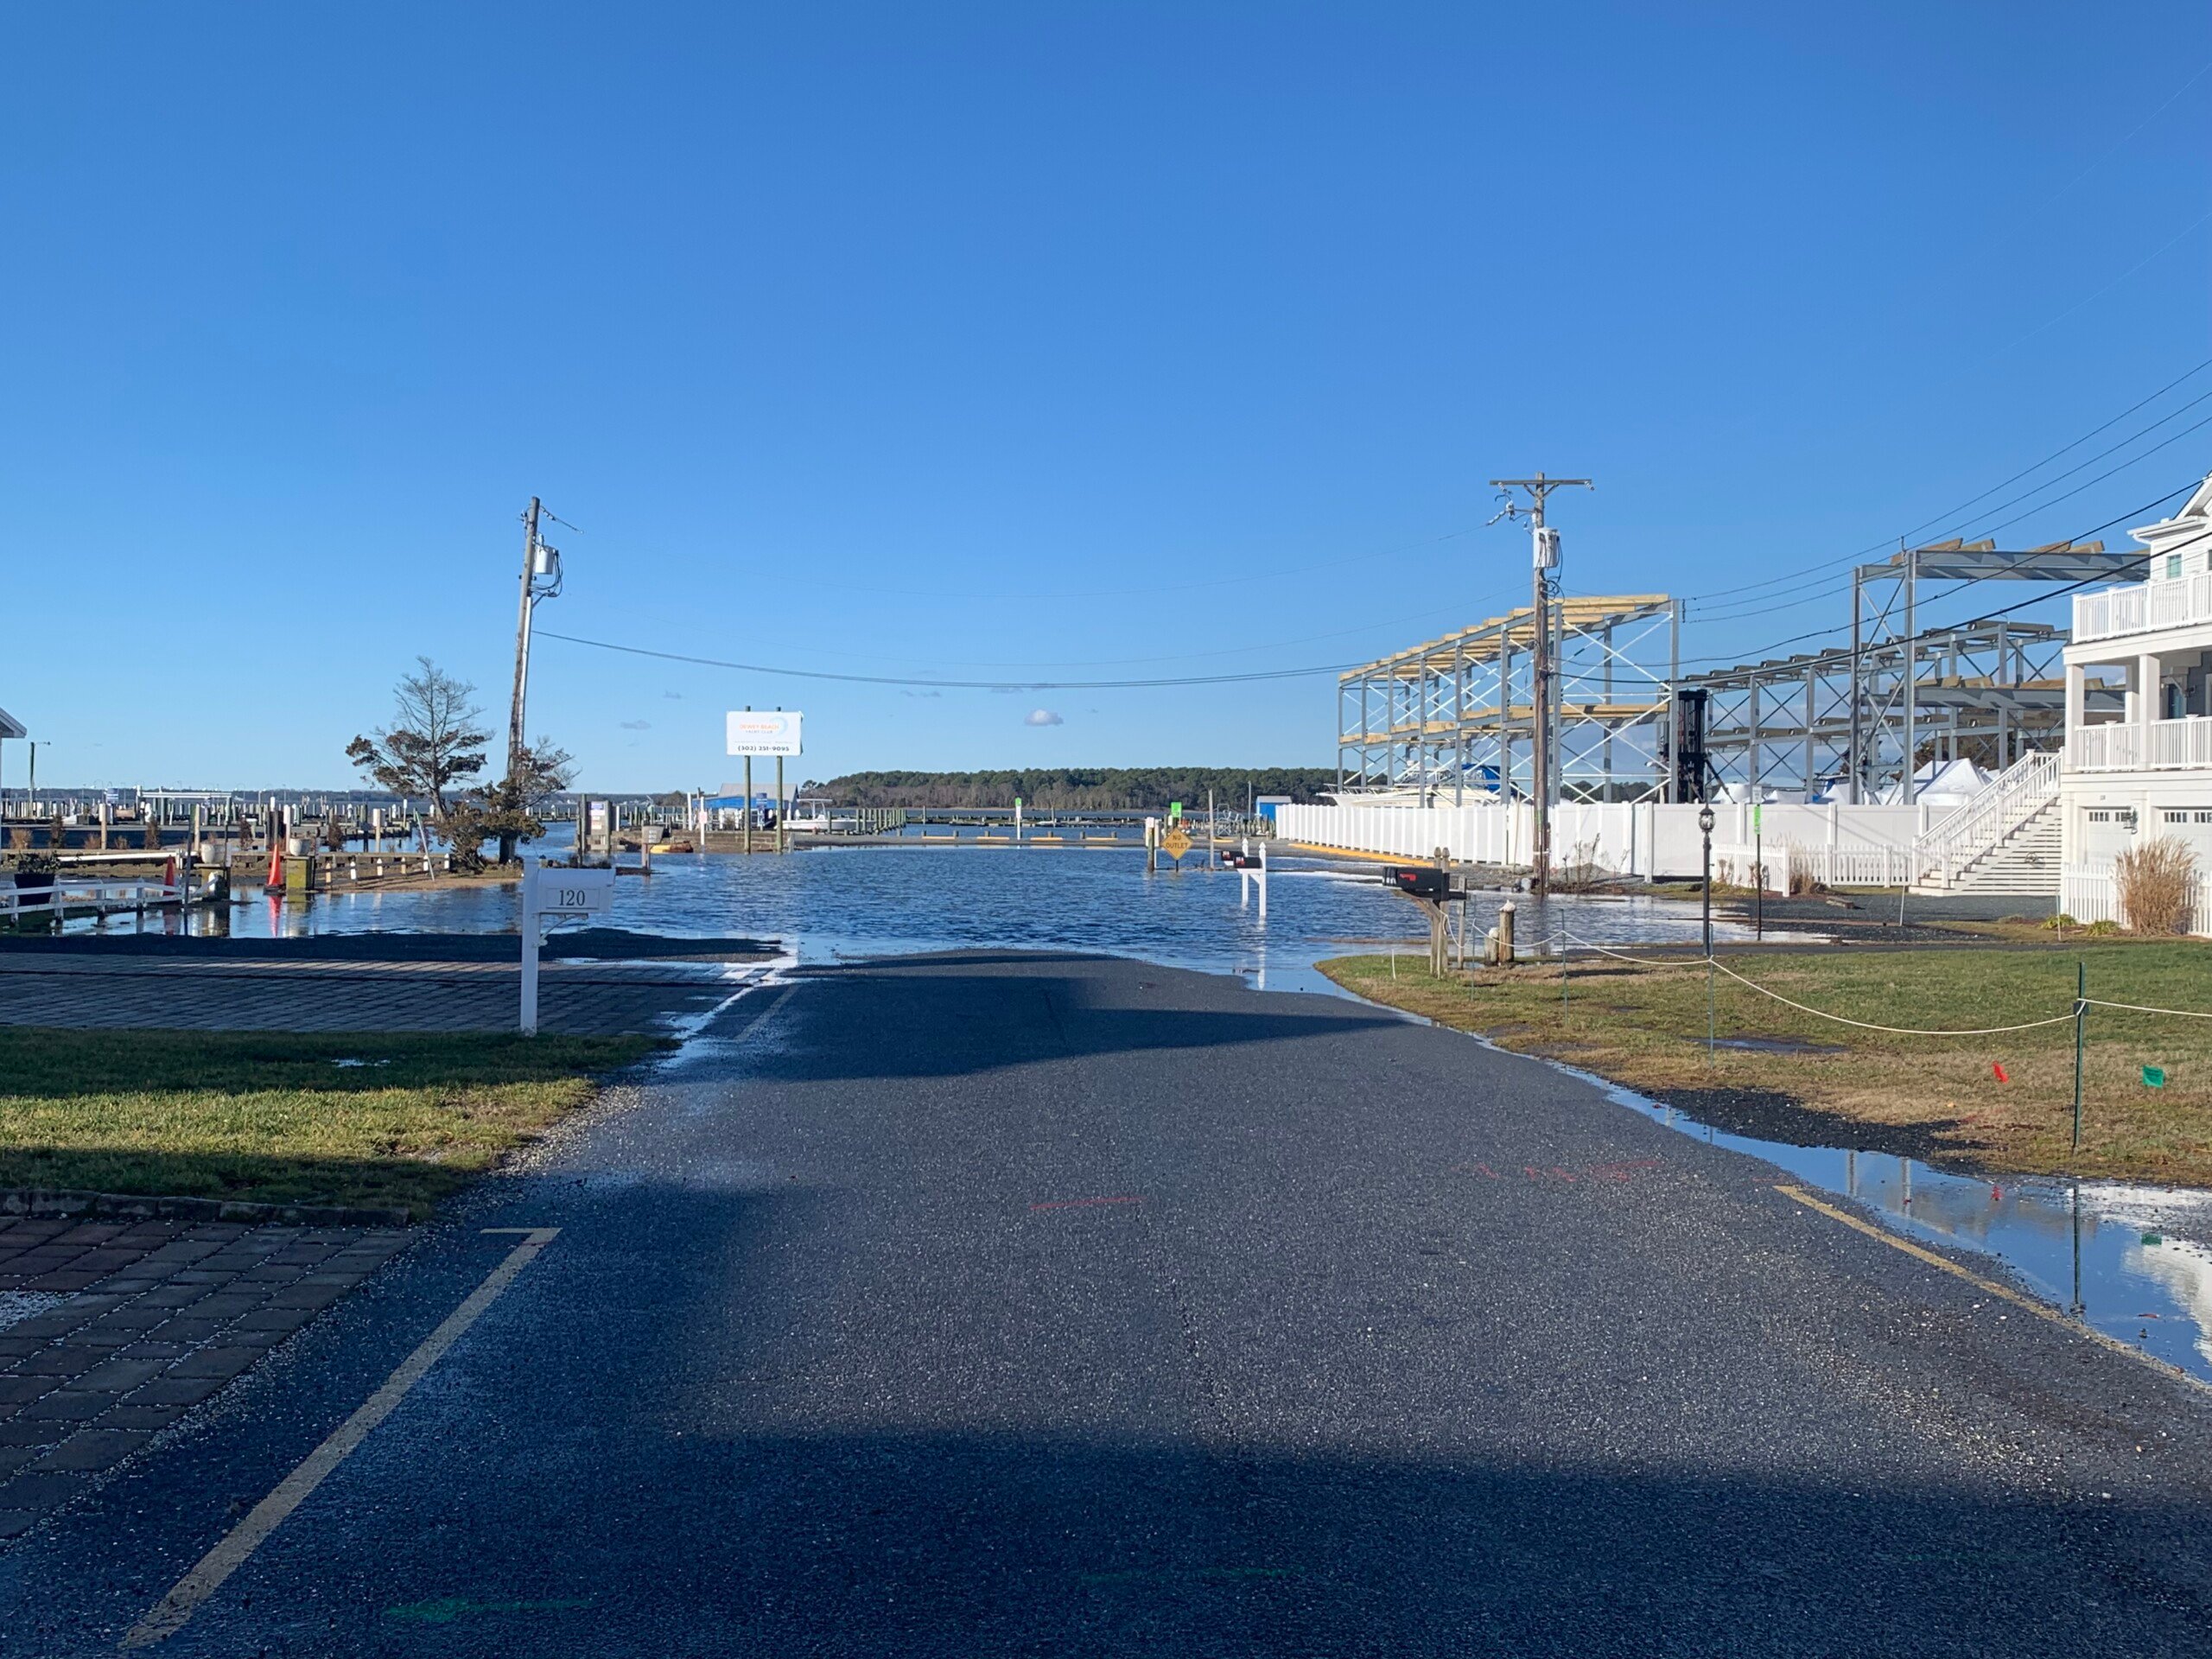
column 1005, row 1303
column 219, row 992
column 2127, row 1259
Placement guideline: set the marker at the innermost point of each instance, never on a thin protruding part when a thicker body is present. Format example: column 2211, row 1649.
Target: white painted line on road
column 2004, row 1293
column 170, row 1616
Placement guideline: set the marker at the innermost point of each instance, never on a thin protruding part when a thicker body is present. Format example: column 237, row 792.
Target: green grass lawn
column 275, row 1118
column 1936, row 1097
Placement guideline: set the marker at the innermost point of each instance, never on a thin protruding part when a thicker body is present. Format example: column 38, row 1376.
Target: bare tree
column 432, row 743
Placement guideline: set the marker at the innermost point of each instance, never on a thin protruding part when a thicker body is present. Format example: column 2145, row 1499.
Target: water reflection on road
column 2131, row 1261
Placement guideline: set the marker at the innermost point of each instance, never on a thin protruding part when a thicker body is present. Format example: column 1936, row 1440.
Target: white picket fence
column 1830, row 866
column 2088, row 896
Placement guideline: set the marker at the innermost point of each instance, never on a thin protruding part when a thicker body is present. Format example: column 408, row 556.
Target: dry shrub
column 2154, row 886
column 1803, row 881
column 1581, row 873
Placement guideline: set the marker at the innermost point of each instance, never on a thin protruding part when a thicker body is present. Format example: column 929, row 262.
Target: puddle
column 1776, row 1044
column 2126, row 1260
column 2134, row 1261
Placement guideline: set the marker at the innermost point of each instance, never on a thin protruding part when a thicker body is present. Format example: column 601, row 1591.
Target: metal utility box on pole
column 1543, row 684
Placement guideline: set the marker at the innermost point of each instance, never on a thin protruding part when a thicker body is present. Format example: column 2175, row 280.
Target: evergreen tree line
column 1100, row 789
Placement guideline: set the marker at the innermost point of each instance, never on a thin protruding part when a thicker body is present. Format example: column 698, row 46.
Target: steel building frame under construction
column 1456, row 717
column 1991, row 690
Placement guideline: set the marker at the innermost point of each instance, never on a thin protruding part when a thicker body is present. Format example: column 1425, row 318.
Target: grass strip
column 386, row 1120
column 1939, row 1099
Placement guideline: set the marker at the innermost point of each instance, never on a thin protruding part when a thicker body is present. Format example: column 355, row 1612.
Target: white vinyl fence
column 1846, row 846
column 2088, row 896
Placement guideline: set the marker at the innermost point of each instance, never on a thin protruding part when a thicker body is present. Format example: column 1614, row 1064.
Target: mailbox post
column 561, row 893
column 1429, row 887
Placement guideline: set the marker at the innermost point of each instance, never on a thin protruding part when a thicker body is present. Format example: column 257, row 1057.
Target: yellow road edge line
column 2018, row 1299
column 234, row 1549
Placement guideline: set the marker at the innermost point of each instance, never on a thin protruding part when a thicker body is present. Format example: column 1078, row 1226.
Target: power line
column 1845, row 587
column 957, row 685
column 2040, row 598
column 1914, row 530
column 1247, row 678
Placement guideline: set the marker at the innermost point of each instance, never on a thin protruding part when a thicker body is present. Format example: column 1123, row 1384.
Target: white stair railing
column 1969, row 830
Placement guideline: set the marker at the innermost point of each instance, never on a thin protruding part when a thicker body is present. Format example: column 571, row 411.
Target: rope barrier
column 1868, row 1025
column 1894, row 1031
column 1822, row 1014
column 1647, row 961
column 2137, row 1008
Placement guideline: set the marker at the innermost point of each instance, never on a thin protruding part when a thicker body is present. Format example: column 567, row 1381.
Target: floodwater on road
column 2132, row 1261
column 844, row 903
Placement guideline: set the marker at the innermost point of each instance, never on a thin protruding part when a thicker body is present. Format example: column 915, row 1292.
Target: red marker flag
column 1998, row 1068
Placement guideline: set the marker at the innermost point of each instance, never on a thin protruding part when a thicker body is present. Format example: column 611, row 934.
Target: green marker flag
column 2154, row 1077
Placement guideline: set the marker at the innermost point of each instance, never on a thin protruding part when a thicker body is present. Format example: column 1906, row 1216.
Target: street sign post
column 561, row 893
column 1176, row 843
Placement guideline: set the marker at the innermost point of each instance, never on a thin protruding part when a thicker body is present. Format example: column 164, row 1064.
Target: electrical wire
column 957, row 685
column 1991, row 616
column 1911, row 531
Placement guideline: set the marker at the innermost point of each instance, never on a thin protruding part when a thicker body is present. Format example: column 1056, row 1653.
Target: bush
column 1803, row 881
column 1581, row 873
column 2154, row 886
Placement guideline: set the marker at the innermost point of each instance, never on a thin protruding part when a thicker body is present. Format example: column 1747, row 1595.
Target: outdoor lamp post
column 1705, row 826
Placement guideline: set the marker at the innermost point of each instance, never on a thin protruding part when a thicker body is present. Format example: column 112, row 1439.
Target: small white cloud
column 637, row 725
column 1043, row 717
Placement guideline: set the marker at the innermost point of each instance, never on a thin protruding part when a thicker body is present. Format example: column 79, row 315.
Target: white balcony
column 2146, row 608
column 2162, row 745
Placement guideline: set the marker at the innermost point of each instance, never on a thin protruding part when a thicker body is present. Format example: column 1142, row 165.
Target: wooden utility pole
column 522, row 639
column 1543, row 688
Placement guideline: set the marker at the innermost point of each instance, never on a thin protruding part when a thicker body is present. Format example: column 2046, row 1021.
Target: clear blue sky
column 929, row 338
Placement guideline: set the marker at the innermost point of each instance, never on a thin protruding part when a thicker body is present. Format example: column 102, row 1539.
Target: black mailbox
column 1244, row 861
column 1418, row 880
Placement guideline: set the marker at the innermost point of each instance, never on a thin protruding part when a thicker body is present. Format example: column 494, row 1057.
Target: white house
column 2149, row 772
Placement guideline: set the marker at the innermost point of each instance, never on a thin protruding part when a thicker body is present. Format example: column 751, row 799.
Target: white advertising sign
column 753, row 731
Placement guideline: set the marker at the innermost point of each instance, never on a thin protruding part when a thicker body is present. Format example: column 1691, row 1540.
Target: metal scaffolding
column 1988, row 691
column 1455, row 720
column 1901, row 695
column 1887, row 725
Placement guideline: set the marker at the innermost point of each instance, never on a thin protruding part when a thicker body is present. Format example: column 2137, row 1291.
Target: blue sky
column 1014, row 340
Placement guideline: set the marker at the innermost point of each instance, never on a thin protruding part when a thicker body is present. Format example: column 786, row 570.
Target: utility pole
column 541, row 579
column 1542, row 688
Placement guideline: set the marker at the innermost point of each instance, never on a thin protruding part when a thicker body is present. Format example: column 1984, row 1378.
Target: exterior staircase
column 2003, row 840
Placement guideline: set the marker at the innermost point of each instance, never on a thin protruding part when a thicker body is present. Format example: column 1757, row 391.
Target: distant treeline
column 1105, row 788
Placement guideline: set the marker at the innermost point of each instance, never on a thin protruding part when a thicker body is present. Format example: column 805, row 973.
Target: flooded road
column 838, row 905
column 2135, row 1261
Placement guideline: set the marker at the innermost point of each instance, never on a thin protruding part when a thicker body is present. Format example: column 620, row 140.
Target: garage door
column 2193, row 825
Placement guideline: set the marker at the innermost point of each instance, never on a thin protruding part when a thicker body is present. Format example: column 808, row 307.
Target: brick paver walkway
column 149, row 1318
column 576, row 998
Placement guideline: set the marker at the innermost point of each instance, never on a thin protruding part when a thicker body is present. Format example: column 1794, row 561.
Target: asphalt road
column 1040, row 1305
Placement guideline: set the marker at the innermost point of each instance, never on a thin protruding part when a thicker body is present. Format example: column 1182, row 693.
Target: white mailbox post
column 559, row 894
